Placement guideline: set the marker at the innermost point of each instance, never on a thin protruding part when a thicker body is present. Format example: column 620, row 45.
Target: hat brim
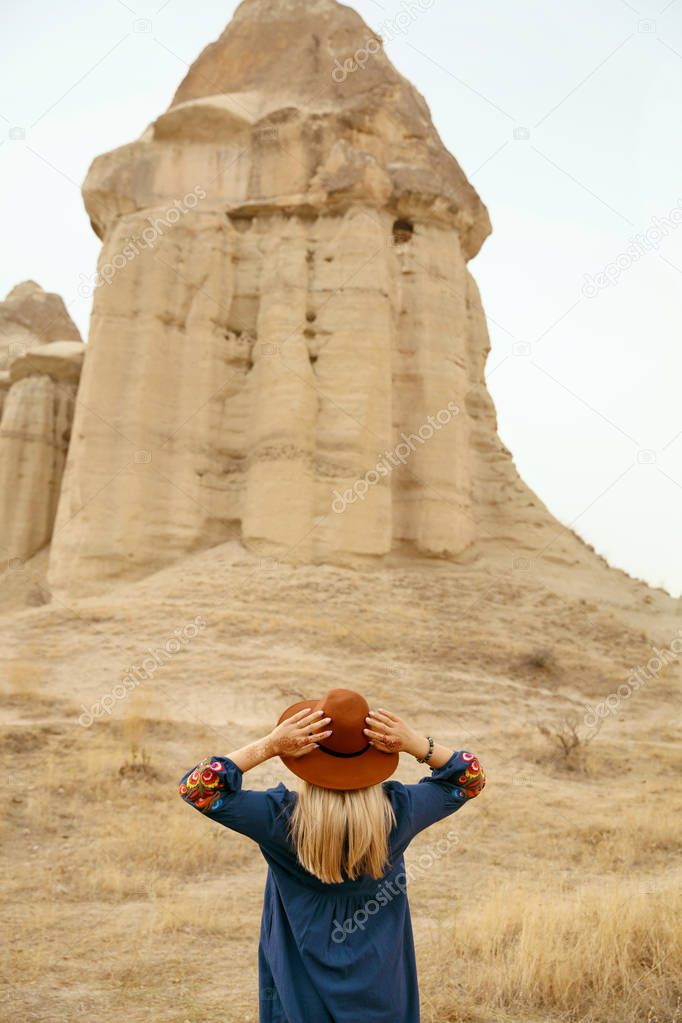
column 329, row 772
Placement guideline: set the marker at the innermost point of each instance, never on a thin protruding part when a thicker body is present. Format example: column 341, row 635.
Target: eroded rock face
column 4, row 387
column 60, row 360
column 286, row 344
column 37, row 399
column 262, row 123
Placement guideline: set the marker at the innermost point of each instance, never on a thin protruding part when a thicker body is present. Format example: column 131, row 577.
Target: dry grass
column 548, row 907
column 559, row 903
column 22, row 676
column 588, row 953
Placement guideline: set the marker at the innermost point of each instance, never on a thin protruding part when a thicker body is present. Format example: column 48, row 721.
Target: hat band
column 335, row 753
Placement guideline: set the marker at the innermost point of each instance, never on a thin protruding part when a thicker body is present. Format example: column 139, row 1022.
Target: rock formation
column 30, row 317
column 41, row 355
column 286, row 344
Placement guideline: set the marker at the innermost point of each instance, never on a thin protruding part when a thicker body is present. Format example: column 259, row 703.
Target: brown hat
column 346, row 760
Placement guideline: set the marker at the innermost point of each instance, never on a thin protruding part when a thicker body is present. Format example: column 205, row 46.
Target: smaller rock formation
column 41, row 355
column 30, row 317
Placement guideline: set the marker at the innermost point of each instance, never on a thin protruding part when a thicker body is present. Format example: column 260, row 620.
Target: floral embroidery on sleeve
column 203, row 787
column 472, row 781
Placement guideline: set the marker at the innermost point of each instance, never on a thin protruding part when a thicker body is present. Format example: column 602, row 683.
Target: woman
column 336, row 938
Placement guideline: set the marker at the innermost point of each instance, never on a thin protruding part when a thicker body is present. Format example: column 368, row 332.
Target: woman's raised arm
column 214, row 786
column 455, row 777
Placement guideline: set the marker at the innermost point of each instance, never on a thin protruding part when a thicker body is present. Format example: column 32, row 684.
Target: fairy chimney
column 286, row 345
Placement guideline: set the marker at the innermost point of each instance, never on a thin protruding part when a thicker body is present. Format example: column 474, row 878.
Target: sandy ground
column 559, row 898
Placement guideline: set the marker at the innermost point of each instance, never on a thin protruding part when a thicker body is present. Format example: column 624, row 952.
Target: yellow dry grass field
column 558, row 897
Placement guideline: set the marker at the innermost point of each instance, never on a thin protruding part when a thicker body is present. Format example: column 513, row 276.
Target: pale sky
column 565, row 117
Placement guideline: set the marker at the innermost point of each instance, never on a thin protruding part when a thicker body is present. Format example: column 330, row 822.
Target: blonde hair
column 342, row 835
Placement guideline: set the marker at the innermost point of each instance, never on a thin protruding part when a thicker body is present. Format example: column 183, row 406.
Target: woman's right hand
column 299, row 734
column 391, row 734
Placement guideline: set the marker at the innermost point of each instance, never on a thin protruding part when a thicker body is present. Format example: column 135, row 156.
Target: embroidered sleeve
column 206, row 786
column 462, row 775
column 441, row 793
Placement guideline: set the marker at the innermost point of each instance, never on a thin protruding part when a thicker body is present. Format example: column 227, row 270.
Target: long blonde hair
column 341, row 835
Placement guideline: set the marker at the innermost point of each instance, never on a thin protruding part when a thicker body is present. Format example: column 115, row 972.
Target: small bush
column 566, row 738
column 139, row 765
column 542, row 660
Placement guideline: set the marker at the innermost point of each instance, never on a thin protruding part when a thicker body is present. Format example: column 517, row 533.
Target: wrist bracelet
column 425, row 760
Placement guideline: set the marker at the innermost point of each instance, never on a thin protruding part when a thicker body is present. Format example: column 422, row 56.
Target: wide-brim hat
column 345, row 760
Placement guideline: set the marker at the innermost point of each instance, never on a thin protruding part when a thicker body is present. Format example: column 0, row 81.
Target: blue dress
column 334, row 953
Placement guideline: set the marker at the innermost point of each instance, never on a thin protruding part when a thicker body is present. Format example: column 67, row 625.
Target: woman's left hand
column 390, row 734
column 299, row 734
